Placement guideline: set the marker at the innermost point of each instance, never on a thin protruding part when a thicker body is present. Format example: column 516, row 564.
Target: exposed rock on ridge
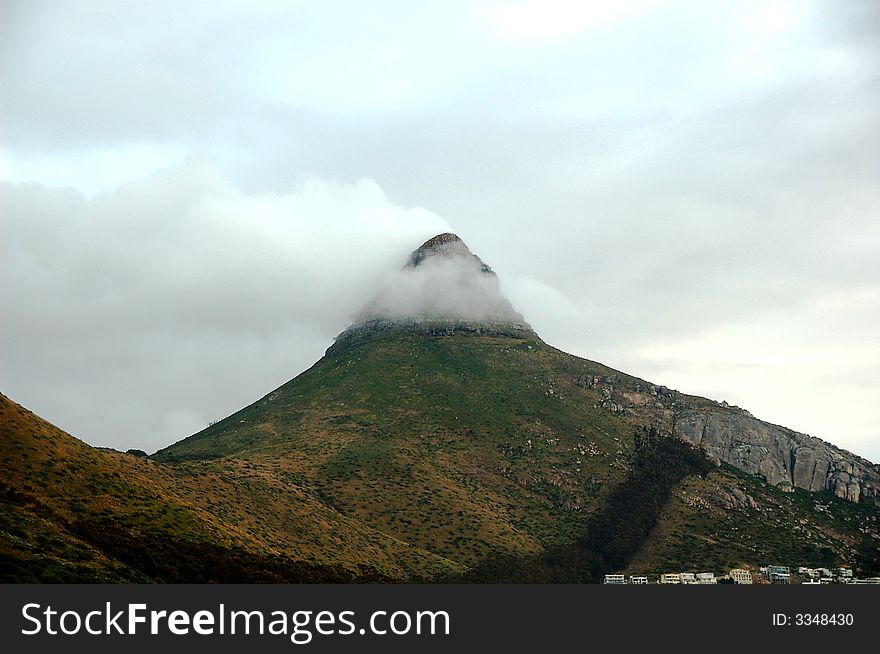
column 784, row 457
column 427, row 327
column 444, row 245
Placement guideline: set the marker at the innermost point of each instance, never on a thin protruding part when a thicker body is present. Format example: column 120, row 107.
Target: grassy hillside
column 482, row 448
column 70, row 512
column 705, row 526
column 464, row 446
column 410, row 457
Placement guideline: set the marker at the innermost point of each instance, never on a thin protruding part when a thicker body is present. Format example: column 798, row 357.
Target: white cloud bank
column 134, row 318
column 683, row 190
column 446, row 282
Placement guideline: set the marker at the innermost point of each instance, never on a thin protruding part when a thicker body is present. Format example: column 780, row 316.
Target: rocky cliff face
column 785, row 458
column 427, row 327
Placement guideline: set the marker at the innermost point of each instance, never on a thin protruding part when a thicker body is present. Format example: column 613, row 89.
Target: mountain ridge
column 783, row 457
column 457, row 451
column 435, row 445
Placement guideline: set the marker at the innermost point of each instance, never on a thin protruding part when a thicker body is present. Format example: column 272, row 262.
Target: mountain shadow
column 616, row 532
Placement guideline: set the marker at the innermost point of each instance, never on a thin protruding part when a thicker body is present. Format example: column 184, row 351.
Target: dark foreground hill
column 439, row 447
column 70, row 512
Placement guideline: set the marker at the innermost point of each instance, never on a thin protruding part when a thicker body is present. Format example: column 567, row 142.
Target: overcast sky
column 199, row 196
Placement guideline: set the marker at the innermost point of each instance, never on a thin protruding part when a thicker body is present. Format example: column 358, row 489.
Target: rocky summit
column 439, row 439
column 444, row 287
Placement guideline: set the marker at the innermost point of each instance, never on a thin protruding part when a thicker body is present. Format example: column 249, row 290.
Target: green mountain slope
column 464, row 445
column 480, row 447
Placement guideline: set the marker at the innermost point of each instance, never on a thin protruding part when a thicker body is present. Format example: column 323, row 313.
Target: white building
column 639, row 581
column 741, row 576
column 706, row 578
column 844, row 573
column 808, row 572
column 778, row 574
column 688, row 578
column 615, row 579
column 670, row 578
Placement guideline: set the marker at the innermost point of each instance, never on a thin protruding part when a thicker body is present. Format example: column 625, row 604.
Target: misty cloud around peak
column 442, row 280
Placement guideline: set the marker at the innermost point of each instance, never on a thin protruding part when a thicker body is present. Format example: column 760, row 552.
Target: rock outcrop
column 785, row 458
column 428, row 327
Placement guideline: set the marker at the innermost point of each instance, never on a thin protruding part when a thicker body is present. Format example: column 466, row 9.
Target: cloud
column 449, row 282
column 646, row 180
column 90, row 171
column 557, row 319
column 553, row 19
column 788, row 367
column 124, row 312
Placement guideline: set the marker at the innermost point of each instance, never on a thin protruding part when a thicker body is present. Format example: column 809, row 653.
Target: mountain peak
column 442, row 245
column 442, row 286
column 440, row 240
column 446, row 245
